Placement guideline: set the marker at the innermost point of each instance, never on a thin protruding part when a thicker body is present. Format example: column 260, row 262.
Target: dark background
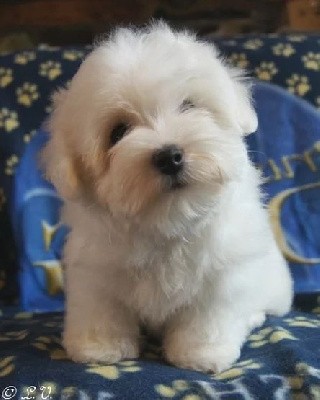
column 26, row 23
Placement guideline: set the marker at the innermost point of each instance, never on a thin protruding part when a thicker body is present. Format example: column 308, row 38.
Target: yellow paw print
column 27, row 94
column 28, row 136
column 72, row 55
column 6, row 366
column 283, row 49
column 312, row 61
column 5, row 77
column 50, row 70
column 23, row 315
column 316, row 310
column 238, row 369
column 2, row 199
column 253, row 44
column 303, row 322
column 178, row 388
column 8, row 120
column 48, row 47
column 296, row 38
column 238, row 59
column 15, row 335
column 269, row 335
column 24, row 57
column 266, row 71
column 11, row 163
column 298, row 84
column 114, row 371
column 52, row 344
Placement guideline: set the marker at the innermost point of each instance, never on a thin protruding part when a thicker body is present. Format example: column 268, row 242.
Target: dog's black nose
column 168, row 160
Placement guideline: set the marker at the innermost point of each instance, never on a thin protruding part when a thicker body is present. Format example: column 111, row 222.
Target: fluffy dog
column 167, row 224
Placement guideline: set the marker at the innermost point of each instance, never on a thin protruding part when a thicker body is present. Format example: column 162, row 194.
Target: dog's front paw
column 206, row 357
column 92, row 349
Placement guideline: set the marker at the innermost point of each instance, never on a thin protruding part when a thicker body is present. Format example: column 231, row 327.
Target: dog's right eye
column 117, row 133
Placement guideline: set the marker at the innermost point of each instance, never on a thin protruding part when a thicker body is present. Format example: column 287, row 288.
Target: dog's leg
column 209, row 342
column 97, row 327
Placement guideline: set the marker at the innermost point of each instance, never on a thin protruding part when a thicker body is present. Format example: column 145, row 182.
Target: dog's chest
column 161, row 279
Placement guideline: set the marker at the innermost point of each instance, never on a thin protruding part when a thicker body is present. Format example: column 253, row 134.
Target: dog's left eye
column 186, row 105
column 117, row 133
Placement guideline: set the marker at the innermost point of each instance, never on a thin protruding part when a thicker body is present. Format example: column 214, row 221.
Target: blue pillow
column 27, row 78
column 38, row 232
column 286, row 147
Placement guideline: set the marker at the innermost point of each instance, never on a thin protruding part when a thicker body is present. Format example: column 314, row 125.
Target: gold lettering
column 275, row 169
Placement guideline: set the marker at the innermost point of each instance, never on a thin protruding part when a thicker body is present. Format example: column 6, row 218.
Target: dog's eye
column 186, row 105
column 117, row 133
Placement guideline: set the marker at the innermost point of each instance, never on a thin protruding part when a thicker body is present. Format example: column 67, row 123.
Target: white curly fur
column 197, row 265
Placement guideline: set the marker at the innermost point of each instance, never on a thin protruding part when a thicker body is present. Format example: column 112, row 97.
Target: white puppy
column 167, row 225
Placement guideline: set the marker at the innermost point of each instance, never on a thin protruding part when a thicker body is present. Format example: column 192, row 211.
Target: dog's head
column 150, row 129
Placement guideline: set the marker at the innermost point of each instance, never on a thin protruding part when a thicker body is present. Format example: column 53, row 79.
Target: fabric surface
column 290, row 61
column 280, row 360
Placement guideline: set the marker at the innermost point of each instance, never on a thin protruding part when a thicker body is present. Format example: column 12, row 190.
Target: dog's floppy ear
column 246, row 117
column 57, row 158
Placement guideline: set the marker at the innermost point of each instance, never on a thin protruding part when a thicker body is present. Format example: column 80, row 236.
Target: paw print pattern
column 51, row 344
column 48, row 47
column 177, row 388
column 15, row 335
column 238, row 59
column 23, row 315
column 27, row 94
column 283, row 49
column 316, row 310
column 298, row 84
column 253, row 44
column 303, row 322
column 114, row 371
column 238, row 369
column 269, row 335
column 2, row 199
column 11, row 163
column 28, row 136
column 6, row 366
column 8, row 120
column 266, row 71
column 296, row 38
column 50, row 70
column 72, row 55
column 5, row 77
column 312, row 61
column 24, row 57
